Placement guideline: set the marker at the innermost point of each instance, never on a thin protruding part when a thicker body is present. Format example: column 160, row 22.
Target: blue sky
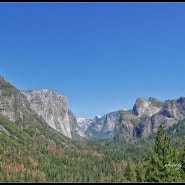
column 101, row 56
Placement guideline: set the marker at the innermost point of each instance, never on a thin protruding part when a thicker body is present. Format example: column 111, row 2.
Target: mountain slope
column 15, row 107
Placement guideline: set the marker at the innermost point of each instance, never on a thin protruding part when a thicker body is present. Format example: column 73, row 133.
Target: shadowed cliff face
column 171, row 112
column 102, row 127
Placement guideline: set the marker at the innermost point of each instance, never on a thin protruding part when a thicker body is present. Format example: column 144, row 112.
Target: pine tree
column 182, row 162
column 129, row 174
column 139, row 175
column 163, row 161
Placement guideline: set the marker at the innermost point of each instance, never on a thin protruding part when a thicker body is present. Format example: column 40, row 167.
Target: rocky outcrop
column 15, row 106
column 84, row 123
column 75, row 128
column 171, row 112
column 72, row 119
column 148, row 116
column 145, row 107
column 125, row 127
column 103, row 127
column 53, row 108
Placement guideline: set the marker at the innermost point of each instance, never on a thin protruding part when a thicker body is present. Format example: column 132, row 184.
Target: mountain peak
column 97, row 117
column 145, row 107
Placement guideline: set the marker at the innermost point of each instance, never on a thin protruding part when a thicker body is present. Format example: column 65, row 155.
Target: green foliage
column 135, row 122
column 6, row 87
column 41, row 154
column 177, row 133
column 162, row 160
column 144, row 118
column 156, row 102
column 139, row 173
column 129, row 174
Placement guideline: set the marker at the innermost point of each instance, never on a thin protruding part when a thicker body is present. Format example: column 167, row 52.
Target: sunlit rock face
column 144, row 107
column 52, row 107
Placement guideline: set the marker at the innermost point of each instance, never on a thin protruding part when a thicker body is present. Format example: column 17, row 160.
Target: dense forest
column 26, row 156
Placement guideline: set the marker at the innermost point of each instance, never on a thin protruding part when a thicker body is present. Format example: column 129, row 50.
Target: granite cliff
column 53, row 108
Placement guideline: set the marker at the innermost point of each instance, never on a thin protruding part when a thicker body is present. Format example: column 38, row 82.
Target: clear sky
column 101, row 56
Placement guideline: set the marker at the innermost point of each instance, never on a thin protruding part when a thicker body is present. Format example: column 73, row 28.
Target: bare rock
column 52, row 107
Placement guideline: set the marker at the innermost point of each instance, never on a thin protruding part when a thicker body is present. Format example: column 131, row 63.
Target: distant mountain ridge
column 103, row 127
column 46, row 107
column 139, row 122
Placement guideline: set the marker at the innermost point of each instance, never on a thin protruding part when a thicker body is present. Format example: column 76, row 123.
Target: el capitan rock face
column 53, row 108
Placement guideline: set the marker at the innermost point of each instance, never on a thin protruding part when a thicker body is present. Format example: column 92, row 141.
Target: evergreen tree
column 163, row 161
column 129, row 174
column 182, row 162
column 139, row 175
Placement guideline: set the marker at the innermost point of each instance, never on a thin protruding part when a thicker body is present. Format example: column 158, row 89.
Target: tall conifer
column 163, row 164
column 129, row 174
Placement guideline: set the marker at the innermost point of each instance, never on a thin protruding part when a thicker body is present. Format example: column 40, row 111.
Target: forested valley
column 25, row 156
